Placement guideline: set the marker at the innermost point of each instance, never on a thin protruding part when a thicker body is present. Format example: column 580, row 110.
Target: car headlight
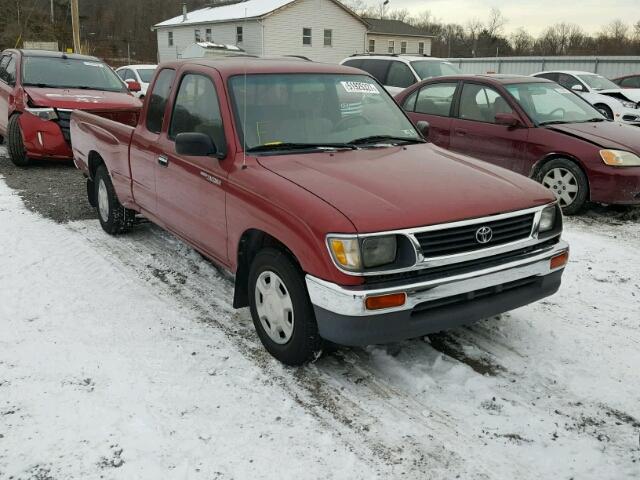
column 43, row 113
column 547, row 219
column 377, row 251
column 346, row 252
column 627, row 104
column 620, row 158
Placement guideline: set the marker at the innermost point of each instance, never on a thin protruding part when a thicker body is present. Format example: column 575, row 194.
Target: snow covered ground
column 122, row 358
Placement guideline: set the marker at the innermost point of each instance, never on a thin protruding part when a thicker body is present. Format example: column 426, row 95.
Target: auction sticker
column 360, row 87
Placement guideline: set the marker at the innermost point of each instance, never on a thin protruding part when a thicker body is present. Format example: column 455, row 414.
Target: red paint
column 14, row 99
column 521, row 149
column 296, row 198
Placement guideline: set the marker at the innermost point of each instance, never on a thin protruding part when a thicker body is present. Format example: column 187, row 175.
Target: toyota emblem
column 484, row 235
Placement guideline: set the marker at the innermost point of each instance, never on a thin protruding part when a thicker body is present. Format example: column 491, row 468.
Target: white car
column 141, row 74
column 397, row 72
column 615, row 103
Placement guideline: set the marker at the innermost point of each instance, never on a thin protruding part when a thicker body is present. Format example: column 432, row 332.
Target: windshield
column 429, row 68
column 56, row 72
column 315, row 109
column 146, row 74
column 597, row 82
column 551, row 103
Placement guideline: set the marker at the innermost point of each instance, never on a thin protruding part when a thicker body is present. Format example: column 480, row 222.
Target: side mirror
column 507, row 119
column 195, row 145
column 423, row 128
column 577, row 88
column 133, row 86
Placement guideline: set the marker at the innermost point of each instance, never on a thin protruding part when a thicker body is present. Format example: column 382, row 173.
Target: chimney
column 184, row 12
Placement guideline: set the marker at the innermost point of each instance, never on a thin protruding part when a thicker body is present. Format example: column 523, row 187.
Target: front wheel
column 114, row 218
column 604, row 110
column 281, row 309
column 15, row 144
column 568, row 183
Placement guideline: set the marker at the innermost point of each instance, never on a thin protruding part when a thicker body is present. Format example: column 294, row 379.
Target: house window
column 328, row 38
column 306, row 36
column 392, row 46
column 170, row 38
column 421, row 48
column 207, row 35
column 239, row 34
column 197, row 36
column 372, row 46
column 403, row 47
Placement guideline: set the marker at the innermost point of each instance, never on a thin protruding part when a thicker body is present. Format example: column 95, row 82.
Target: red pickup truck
column 311, row 185
column 38, row 92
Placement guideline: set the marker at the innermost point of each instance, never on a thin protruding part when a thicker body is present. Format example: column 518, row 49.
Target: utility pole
column 75, row 25
column 53, row 20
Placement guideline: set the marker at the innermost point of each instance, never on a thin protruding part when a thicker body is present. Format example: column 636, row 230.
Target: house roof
column 235, row 10
column 394, row 27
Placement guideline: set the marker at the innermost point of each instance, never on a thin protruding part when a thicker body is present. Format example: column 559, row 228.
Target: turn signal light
column 559, row 260
column 385, row 301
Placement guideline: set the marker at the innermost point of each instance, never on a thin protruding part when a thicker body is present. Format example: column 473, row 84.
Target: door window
column 10, row 74
column 568, row 81
column 410, row 103
column 377, row 69
column 549, row 76
column 158, row 100
column 121, row 74
column 197, row 109
column 436, row 99
column 630, row 82
column 400, row 75
column 4, row 61
column 482, row 104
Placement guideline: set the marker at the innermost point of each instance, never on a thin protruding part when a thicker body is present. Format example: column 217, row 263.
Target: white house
column 394, row 36
column 322, row 30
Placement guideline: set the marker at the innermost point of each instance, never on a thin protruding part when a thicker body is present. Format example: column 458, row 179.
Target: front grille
column 64, row 120
column 451, row 241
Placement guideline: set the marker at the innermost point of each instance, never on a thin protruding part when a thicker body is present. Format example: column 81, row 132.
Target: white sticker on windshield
column 360, row 87
column 94, row 64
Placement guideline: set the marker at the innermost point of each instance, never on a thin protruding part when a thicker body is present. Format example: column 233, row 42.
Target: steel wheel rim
column 274, row 307
column 103, row 201
column 563, row 184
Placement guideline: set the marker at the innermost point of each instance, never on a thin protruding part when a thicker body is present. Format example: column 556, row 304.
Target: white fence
column 608, row 66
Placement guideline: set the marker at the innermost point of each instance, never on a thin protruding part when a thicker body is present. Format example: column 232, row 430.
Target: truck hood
column 604, row 134
column 631, row 94
column 391, row 188
column 74, row 99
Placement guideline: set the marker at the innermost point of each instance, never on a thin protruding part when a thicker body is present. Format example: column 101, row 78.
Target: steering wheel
column 556, row 110
column 351, row 119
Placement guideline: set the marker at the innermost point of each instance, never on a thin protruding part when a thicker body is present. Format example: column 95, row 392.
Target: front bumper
column 44, row 139
column 435, row 304
column 615, row 185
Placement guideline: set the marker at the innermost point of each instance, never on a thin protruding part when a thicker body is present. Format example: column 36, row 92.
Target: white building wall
column 221, row 33
column 283, row 31
column 382, row 43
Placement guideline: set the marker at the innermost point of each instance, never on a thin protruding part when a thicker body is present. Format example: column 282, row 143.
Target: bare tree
column 522, row 42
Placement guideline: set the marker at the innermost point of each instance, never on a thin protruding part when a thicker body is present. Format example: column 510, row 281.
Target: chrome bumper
column 350, row 301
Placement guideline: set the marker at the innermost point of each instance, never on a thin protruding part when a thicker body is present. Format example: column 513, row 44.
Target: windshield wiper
column 383, row 138
column 553, row 122
column 596, row 119
column 271, row 147
column 42, row 85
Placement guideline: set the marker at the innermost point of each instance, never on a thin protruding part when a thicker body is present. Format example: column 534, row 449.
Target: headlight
column 345, row 252
column 620, row 158
column 627, row 104
column 43, row 113
column 377, row 251
column 547, row 219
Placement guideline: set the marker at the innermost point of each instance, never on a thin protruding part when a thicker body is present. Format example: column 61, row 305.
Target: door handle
column 163, row 161
column 460, row 132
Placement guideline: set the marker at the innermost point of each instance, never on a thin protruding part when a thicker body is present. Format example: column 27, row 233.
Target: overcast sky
column 534, row 15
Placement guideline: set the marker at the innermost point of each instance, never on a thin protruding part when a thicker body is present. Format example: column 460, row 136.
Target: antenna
column 244, row 104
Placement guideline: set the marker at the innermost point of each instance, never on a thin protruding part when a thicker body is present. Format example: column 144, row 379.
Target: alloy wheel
column 563, row 184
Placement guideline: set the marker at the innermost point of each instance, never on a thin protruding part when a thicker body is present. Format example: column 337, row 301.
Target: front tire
column 281, row 309
column 605, row 110
column 568, row 183
column 114, row 218
column 15, row 144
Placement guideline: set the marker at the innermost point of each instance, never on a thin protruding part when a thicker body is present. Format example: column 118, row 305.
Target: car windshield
column 57, row 72
column 146, row 74
column 548, row 103
column 597, row 82
column 430, row 68
column 296, row 110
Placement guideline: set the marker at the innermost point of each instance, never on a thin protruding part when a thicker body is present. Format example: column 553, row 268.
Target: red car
column 628, row 81
column 340, row 223
column 38, row 92
column 534, row 127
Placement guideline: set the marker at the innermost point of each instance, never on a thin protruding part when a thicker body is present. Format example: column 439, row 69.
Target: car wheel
column 604, row 110
column 281, row 309
column 114, row 218
column 568, row 183
column 15, row 144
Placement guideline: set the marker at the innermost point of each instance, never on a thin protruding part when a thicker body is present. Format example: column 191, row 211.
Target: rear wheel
column 15, row 144
column 605, row 110
column 568, row 183
column 114, row 218
column 281, row 309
